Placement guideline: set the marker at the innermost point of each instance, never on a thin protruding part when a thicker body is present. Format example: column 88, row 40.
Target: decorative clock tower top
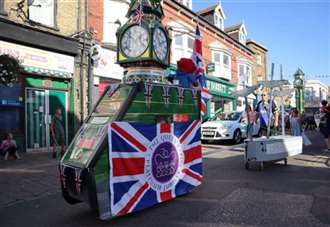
column 143, row 42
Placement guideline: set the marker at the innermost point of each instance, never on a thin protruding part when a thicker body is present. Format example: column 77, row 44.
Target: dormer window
column 242, row 38
column 218, row 21
column 186, row 3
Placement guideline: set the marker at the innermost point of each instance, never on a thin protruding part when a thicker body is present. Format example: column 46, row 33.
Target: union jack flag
column 197, row 57
column 139, row 15
column 152, row 163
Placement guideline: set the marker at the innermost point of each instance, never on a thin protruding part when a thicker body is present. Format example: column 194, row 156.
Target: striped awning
column 47, row 72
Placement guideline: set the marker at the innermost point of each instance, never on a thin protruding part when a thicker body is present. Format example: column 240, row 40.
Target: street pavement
column 293, row 195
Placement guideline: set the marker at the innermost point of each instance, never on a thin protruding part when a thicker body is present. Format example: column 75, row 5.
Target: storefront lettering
column 218, row 87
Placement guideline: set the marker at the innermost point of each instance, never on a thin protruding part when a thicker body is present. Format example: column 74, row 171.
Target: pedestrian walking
column 9, row 147
column 266, row 112
column 249, row 113
column 57, row 132
column 296, row 124
column 325, row 122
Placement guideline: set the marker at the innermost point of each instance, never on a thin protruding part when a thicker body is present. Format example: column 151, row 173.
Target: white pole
column 271, row 102
column 282, row 105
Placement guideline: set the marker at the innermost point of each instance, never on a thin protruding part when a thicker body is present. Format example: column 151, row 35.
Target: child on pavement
column 9, row 147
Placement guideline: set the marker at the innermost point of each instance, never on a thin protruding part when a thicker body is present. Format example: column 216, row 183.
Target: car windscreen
column 234, row 116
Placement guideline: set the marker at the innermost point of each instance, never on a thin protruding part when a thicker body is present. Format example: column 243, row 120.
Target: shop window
column 43, row 12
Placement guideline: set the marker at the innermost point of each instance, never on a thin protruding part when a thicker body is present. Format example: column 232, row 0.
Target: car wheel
column 237, row 136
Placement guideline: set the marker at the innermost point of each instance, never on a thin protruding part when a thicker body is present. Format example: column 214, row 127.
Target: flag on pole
column 139, row 15
column 197, row 57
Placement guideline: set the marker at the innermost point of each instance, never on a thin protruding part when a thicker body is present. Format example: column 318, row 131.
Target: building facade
column 315, row 92
column 259, row 69
column 230, row 59
column 105, row 17
column 42, row 37
column 224, row 50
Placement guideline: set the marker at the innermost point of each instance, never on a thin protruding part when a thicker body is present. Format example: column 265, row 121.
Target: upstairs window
column 218, row 21
column 244, row 75
column 242, row 38
column 217, row 61
column 182, row 47
column 178, row 40
column 43, row 12
column 2, row 6
column 259, row 62
column 222, row 64
column 226, row 61
column 191, row 42
column 186, row 3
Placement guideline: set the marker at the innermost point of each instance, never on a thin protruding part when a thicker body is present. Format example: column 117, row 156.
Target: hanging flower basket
column 9, row 70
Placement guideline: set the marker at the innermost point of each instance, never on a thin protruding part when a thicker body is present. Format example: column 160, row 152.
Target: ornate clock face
column 160, row 44
column 134, row 41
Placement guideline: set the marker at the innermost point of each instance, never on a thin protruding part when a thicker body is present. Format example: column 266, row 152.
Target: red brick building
column 232, row 59
column 224, row 49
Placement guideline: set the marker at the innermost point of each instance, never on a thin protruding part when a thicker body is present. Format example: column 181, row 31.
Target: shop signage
column 10, row 102
column 219, row 87
column 210, row 68
column 106, row 65
column 41, row 61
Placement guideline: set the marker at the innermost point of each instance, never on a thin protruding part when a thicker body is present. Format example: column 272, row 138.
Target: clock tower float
column 141, row 144
column 143, row 43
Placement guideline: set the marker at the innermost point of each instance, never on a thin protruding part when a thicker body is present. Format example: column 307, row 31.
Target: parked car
column 227, row 126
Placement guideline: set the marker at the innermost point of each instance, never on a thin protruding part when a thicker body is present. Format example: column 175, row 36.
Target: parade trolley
column 140, row 146
column 270, row 148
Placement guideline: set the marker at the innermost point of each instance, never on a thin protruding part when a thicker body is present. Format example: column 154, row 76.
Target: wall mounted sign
column 39, row 61
column 210, row 68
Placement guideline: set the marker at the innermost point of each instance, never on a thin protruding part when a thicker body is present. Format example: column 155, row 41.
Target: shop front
column 45, row 83
column 222, row 100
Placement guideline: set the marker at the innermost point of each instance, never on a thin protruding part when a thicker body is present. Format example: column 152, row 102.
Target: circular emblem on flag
column 164, row 162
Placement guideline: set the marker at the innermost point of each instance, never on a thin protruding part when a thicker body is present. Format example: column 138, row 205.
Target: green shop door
column 40, row 107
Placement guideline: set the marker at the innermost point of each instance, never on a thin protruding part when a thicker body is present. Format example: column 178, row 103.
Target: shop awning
column 47, row 72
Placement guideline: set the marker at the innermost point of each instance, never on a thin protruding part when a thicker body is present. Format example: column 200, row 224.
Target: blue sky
column 296, row 32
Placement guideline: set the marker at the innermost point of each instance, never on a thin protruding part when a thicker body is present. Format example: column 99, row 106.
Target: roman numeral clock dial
column 160, row 44
column 134, row 41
